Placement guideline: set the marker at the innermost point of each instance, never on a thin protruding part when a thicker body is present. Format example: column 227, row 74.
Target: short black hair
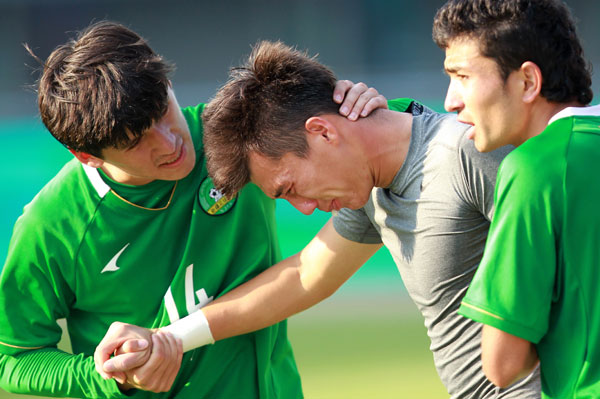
column 512, row 32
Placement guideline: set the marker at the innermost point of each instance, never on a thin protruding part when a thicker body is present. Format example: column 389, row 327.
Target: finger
column 340, row 89
column 99, row 362
column 372, row 104
column 361, row 101
column 126, row 361
column 103, row 352
column 133, row 345
column 353, row 94
column 114, row 338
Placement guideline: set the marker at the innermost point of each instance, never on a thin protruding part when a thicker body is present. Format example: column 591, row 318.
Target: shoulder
column 441, row 128
column 436, row 140
column 529, row 178
column 444, row 130
column 441, row 135
column 66, row 200
column 470, row 156
column 538, row 161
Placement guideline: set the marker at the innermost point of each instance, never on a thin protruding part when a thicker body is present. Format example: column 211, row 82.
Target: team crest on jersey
column 211, row 200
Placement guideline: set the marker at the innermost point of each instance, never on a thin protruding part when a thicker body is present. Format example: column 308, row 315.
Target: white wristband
column 193, row 330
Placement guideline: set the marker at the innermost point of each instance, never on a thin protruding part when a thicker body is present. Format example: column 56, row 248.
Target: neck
column 386, row 138
column 541, row 113
column 120, row 176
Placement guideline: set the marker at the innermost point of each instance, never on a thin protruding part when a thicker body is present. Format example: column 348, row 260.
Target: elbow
column 313, row 295
column 325, row 292
column 504, row 371
column 499, row 376
column 506, row 358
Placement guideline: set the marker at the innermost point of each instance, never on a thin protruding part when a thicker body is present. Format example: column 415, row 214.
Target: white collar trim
column 92, row 173
column 576, row 111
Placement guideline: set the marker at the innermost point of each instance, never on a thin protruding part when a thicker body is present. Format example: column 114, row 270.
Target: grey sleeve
column 479, row 172
column 355, row 225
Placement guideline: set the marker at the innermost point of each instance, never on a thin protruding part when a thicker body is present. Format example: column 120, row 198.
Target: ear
column 87, row 159
column 320, row 126
column 531, row 76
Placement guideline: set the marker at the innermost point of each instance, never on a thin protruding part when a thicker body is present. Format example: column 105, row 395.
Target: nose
column 453, row 101
column 163, row 138
column 304, row 205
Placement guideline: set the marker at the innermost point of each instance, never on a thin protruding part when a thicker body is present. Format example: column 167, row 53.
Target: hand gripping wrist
column 193, row 331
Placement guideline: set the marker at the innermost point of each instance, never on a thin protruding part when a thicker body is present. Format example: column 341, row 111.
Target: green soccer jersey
column 538, row 279
column 94, row 251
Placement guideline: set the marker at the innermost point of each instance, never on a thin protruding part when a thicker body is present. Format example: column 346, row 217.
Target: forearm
column 51, row 372
column 279, row 292
column 292, row 285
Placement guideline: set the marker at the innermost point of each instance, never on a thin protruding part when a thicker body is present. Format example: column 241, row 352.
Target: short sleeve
column 513, row 287
column 355, row 225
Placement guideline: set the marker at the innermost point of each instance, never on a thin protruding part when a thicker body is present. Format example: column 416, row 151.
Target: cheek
column 183, row 127
column 472, row 98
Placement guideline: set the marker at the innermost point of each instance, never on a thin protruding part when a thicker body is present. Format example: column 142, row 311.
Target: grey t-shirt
column 434, row 220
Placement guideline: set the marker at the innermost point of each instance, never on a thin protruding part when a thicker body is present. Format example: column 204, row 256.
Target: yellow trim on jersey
column 20, row 347
column 143, row 207
column 482, row 311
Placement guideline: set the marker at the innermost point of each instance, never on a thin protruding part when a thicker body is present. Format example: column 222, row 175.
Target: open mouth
column 334, row 206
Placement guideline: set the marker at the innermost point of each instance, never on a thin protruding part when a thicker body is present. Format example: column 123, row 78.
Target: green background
column 366, row 341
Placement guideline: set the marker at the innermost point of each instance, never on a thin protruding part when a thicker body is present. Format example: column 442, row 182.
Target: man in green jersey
column 133, row 229
column 517, row 74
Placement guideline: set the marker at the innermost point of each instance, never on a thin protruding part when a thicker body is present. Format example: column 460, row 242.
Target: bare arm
column 505, row 357
column 292, row 285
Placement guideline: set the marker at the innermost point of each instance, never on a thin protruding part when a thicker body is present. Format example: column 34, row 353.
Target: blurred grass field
column 346, row 355
column 362, row 355
column 366, row 341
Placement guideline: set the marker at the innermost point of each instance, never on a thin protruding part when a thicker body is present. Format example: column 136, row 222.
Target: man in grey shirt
column 407, row 178
column 434, row 218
